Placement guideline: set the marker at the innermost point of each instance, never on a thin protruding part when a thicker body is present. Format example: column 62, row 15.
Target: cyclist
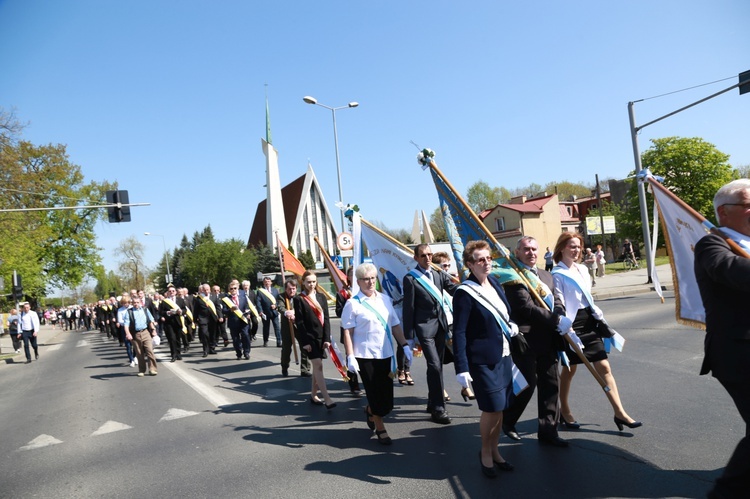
column 627, row 251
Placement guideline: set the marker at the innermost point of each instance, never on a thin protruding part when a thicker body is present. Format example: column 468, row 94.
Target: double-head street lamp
column 314, row 101
column 166, row 255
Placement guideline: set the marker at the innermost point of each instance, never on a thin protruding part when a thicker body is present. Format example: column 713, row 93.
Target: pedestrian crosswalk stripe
column 176, row 414
column 41, row 441
column 52, row 348
column 81, row 343
column 109, row 427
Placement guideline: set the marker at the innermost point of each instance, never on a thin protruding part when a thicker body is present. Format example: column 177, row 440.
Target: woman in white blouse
column 573, row 286
column 369, row 321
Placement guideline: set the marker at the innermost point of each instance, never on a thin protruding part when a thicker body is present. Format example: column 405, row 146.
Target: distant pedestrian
column 549, row 262
column 29, row 329
column 13, row 319
column 600, row 261
column 589, row 260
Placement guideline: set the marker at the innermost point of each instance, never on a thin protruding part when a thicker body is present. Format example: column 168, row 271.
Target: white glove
column 597, row 312
column 351, row 364
column 464, row 379
column 156, row 340
column 410, row 343
column 289, row 314
column 564, row 325
column 573, row 336
column 408, row 353
column 513, row 329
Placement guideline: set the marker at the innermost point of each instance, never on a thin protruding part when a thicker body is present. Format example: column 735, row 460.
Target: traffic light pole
column 53, row 208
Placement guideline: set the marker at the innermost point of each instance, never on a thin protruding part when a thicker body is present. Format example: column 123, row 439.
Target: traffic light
column 744, row 82
column 118, row 214
column 17, row 287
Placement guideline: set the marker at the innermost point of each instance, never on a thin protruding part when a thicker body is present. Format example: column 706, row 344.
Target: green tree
column 215, row 262
column 480, row 196
column 437, row 224
column 692, row 168
column 307, row 260
column 133, row 271
column 53, row 248
column 266, row 261
column 565, row 189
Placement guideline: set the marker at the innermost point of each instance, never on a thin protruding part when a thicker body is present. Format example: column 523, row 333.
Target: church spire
column 268, row 120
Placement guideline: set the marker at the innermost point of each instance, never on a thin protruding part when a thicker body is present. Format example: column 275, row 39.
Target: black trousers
column 173, row 338
column 375, row 376
column 433, row 348
column 28, row 337
column 541, row 372
column 735, row 481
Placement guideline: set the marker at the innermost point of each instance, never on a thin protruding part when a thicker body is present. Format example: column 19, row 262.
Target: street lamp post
column 314, row 101
column 744, row 87
column 166, row 255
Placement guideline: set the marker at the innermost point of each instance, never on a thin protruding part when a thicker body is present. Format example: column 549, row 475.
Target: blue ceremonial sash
column 617, row 340
column 437, row 294
column 474, row 290
column 563, row 272
column 388, row 336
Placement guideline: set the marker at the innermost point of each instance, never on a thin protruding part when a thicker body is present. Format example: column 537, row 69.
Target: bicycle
column 631, row 262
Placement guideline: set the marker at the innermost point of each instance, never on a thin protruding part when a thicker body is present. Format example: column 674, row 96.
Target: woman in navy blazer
column 482, row 351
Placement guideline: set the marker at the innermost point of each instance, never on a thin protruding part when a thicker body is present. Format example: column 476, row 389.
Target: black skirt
column 593, row 347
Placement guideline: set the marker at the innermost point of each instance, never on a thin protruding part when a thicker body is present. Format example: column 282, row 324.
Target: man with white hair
column 724, row 281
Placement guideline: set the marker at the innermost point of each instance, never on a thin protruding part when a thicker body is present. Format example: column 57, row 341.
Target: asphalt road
column 79, row 423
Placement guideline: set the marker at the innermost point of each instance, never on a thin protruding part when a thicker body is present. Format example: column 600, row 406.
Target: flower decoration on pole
column 424, row 157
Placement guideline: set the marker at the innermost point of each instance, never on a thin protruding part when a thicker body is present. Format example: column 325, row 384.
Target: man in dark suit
column 238, row 324
column 724, row 282
column 538, row 326
column 251, row 301
column 221, row 328
column 427, row 315
column 206, row 317
column 170, row 315
column 266, row 303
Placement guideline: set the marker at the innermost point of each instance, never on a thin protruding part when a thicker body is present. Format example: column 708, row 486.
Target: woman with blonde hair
column 573, row 287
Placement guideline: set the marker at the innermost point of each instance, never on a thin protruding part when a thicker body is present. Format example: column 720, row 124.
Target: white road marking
column 52, row 348
column 41, row 441
column 82, row 343
column 109, row 427
column 204, row 390
column 176, row 414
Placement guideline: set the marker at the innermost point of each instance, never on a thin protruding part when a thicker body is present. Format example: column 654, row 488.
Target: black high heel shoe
column 504, row 466
column 489, row 472
column 467, row 394
column 368, row 415
column 573, row 425
column 621, row 422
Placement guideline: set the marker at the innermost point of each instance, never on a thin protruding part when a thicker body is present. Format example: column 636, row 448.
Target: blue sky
column 167, row 97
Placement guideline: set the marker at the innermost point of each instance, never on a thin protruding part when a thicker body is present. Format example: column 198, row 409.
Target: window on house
column 500, row 224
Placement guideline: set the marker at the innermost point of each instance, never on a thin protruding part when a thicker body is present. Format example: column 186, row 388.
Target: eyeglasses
column 425, row 255
column 745, row 206
column 233, row 287
column 483, row 260
column 369, row 279
column 445, row 265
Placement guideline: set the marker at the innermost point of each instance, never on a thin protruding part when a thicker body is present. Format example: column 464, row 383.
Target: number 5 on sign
column 345, row 241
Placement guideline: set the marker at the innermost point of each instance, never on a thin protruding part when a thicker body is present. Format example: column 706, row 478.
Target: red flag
column 338, row 277
column 289, row 261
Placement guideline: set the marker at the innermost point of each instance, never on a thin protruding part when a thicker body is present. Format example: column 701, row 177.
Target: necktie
column 236, row 300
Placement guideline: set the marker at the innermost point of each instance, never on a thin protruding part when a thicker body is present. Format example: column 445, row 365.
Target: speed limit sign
column 344, row 241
